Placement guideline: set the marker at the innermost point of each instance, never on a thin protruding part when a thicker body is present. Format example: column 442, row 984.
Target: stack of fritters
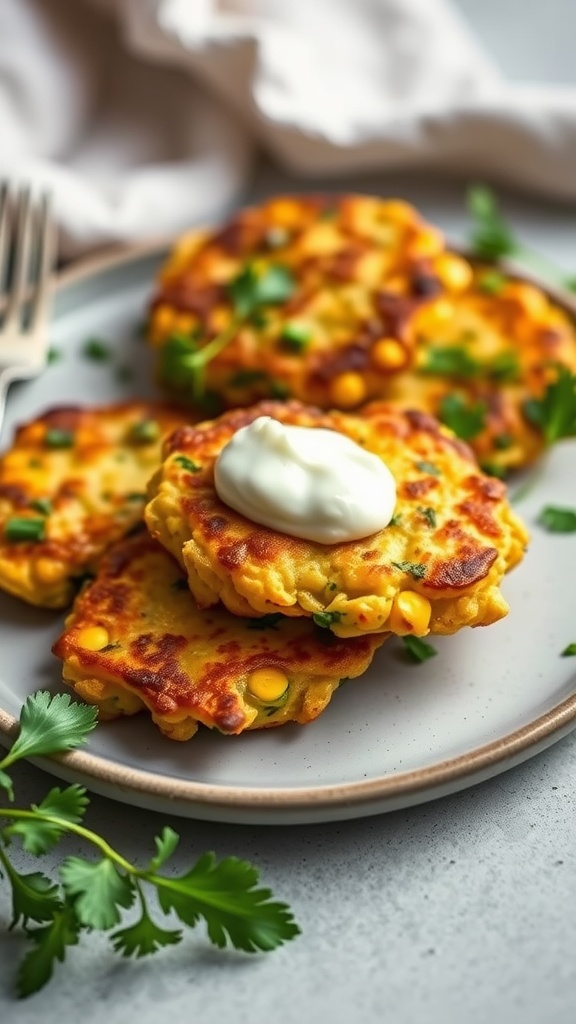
column 375, row 307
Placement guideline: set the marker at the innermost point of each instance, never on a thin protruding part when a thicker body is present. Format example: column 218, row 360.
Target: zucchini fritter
column 435, row 568
column 497, row 348
column 136, row 639
column 73, row 482
column 343, row 278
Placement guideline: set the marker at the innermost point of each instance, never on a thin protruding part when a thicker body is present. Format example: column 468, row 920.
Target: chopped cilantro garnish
column 419, row 650
column 503, row 441
column 555, row 413
column 269, row 621
column 55, row 438
column 467, row 420
column 492, row 282
column 569, row 651
column 144, row 432
column 558, row 520
column 450, row 361
column 504, row 366
column 54, row 354
column 278, row 390
column 327, row 619
column 188, row 464
column 295, row 337
column 96, row 350
column 494, row 469
column 429, row 515
column 396, row 520
column 428, row 467
column 21, row 529
column 42, row 505
column 414, row 569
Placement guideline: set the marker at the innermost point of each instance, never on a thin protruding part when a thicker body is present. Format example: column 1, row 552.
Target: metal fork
column 27, row 250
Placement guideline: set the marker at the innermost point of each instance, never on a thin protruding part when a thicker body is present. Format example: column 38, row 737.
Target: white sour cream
column 305, row 481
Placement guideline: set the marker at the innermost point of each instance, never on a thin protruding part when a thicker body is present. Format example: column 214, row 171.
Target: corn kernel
column 531, row 300
column 427, row 242
column 454, row 272
column 347, row 390
column 162, row 321
column 49, row 570
column 410, row 614
column 267, row 684
column 93, row 638
column 398, row 212
column 389, row 354
column 184, row 323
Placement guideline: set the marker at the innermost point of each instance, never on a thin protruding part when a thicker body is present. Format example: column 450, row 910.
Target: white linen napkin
column 143, row 115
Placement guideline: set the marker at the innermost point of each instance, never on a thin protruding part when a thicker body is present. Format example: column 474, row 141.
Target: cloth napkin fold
column 143, row 115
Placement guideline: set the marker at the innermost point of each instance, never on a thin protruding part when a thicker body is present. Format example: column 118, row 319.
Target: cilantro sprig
column 492, row 238
column 183, row 360
column 92, row 894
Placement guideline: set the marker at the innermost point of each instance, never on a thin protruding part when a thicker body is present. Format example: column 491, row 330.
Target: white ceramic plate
column 400, row 735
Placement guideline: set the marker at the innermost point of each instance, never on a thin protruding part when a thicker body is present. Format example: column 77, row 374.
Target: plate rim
column 473, row 765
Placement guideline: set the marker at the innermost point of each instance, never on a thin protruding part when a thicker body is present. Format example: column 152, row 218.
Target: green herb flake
column 450, row 361
column 570, row 651
column 96, row 350
column 144, row 432
column 55, row 438
column 555, row 413
column 558, row 520
column 504, row 366
column 327, row 619
column 396, row 520
column 494, row 469
column 188, row 464
column 491, row 237
column 20, row 529
column 270, row 621
column 415, row 569
column 42, row 505
column 419, row 650
column 429, row 515
column 492, row 282
column 428, row 467
column 295, row 336
column 467, row 420
column 503, row 441
column 279, row 390
column 54, row 355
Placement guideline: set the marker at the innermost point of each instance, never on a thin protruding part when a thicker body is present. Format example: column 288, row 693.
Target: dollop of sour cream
column 305, row 481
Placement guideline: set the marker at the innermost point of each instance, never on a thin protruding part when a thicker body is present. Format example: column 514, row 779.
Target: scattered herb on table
column 558, row 520
column 96, row 350
column 184, row 362
column 569, row 651
column 54, row 355
column 92, row 894
column 493, row 239
column 419, row 650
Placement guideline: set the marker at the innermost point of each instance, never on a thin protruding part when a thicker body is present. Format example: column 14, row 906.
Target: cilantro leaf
column 50, row 945
column 466, row 420
column 558, row 520
column 166, row 843
column 327, row 619
column 34, row 896
column 96, row 890
column 143, row 938
column 415, row 569
column 428, row 467
column 37, row 835
column 450, row 361
column 418, row 649
column 276, row 285
column 555, row 413
column 429, row 515
column 569, row 651
column 491, row 237
column 50, row 725
column 224, row 894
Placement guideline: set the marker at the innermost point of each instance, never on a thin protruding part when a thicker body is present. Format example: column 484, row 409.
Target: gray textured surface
column 458, row 910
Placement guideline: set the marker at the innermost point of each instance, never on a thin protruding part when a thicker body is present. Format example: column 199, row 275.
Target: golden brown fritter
column 436, row 567
column 498, row 346
column 72, row 483
column 136, row 639
column 353, row 270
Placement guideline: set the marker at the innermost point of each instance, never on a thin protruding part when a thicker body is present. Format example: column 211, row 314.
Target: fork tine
column 47, row 247
column 4, row 226
column 22, row 248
